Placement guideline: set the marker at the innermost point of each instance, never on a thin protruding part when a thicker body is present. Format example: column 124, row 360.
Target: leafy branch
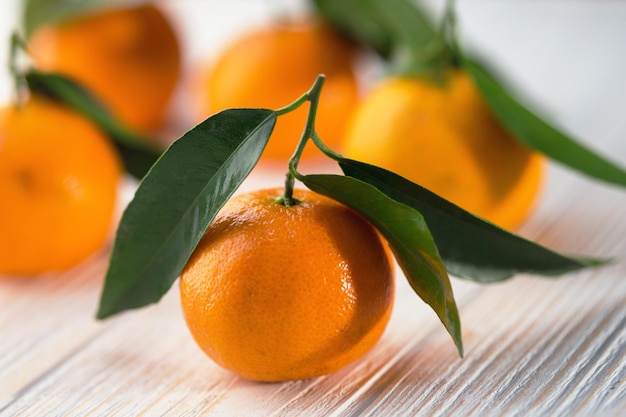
column 182, row 193
column 415, row 46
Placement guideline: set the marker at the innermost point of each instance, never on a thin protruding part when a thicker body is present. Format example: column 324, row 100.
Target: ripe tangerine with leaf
column 58, row 185
column 255, row 282
column 128, row 56
column 276, row 292
column 271, row 66
column 445, row 138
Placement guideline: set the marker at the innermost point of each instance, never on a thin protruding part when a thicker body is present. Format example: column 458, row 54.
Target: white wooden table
column 534, row 347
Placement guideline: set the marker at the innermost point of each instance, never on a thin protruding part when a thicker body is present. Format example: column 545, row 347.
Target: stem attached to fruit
column 312, row 96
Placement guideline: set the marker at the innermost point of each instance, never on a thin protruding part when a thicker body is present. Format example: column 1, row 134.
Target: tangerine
column 271, row 67
column 278, row 293
column 445, row 138
column 129, row 57
column 58, row 186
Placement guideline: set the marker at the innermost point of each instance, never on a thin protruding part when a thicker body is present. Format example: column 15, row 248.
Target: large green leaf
column 471, row 248
column 37, row 13
column 136, row 151
column 175, row 203
column 537, row 134
column 409, row 238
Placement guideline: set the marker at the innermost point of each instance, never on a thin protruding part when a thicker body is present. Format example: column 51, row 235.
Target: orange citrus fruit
column 446, row 139
column 129, row 57
column 273, row 66
column 58, row 186
column 278, row 293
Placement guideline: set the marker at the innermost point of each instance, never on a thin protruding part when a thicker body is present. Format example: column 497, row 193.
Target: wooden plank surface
column 534, row 346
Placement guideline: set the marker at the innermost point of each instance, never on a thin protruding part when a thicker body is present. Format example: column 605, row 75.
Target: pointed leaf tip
column 409, row 238
column 471, row 247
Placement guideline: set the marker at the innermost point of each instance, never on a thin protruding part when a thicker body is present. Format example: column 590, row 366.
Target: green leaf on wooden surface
column 37, row 13
column 537, row 133
column 471, row 248
column 175, row 203
column 408, row 236
column 137, row 152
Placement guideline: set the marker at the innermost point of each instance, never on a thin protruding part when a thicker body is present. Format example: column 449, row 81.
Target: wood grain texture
column 534, row 347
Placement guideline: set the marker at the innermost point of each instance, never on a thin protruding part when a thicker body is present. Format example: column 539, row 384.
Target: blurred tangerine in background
column 445, row 138
column 129, row 57
column 271, row 67
column 59, row 177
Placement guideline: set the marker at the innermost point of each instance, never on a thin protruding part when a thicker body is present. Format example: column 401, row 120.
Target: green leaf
column 37, row 13
column 409, row 238
column 538, row 134
column 137, row 153
column 471, row 248
column 175, row 203
column 385, row 26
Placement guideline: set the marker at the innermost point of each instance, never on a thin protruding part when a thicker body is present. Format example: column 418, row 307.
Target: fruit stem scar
column 312, row 96
column 25, row 179
column 281, row 201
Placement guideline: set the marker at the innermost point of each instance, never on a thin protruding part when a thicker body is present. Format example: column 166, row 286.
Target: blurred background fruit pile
column 147, row 63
